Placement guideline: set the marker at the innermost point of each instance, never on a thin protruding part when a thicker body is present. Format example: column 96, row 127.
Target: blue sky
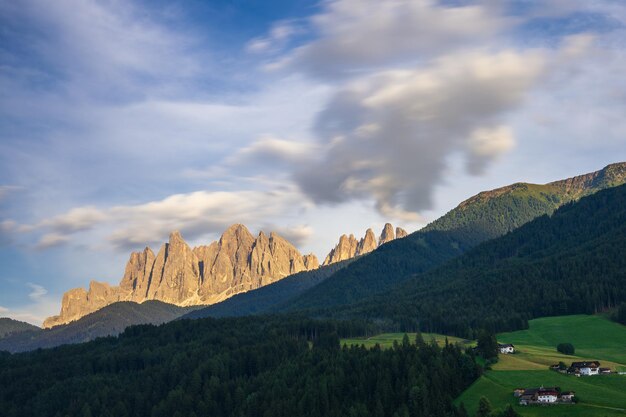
column 121, row 121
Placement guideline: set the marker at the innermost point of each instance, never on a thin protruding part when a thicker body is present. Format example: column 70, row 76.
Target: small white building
column 506, row 348
column 545, row 396
column 585, row 368
column 589, row 370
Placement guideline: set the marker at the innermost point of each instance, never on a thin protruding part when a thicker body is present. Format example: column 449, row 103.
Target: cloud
column 195, row 214
column 3, row 310
column 37, row 293
column 77, row 219
column 273, row 152
column 359, row 35
column 278, row 36
column 388, row 136
column 297, row 235
column 199, row 213
column 487, row 144
column 107, row 49
column 50, row 240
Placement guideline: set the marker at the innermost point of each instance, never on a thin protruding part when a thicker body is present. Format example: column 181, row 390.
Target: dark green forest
column 569, row 263
column 483, row 217
column 255, row 366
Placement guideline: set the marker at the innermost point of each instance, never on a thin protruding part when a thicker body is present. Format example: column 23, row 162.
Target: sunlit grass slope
column 594, row 337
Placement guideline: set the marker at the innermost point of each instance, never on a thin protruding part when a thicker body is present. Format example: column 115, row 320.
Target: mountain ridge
column 183, row 276
column 570, row 262
column 349, row 247
column 110, row 320
column 485, row 216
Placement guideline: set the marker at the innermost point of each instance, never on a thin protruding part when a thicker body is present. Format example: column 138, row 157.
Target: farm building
column 584, row 368
column 543, row 395
column 506, row 348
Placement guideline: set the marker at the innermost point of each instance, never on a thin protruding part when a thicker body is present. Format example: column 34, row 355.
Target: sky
column 121, row 121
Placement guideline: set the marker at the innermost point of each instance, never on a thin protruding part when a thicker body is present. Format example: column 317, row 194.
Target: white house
column 547, row 396
column 506, row 348
column 585, row 368
column 589, row 370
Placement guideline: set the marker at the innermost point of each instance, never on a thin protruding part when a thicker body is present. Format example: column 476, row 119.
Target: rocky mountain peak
column 179, row 275
column 348, row 247
column 176, row 238
column 400, row 233
column 387, row 234
column 236, row 233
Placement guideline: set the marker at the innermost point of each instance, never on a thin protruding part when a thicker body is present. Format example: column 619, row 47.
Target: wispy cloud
column 195, row 214
column 37, row 293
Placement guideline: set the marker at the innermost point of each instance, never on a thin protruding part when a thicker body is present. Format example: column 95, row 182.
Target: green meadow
column 594, row 338
column 386, row 340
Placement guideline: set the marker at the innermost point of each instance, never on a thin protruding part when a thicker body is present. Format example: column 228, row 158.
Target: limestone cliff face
column 181, row 275
column 345, row 249
column 400, row 233
column 348, row 247
column 137, row 274
column 367, row 244
column 387, row 235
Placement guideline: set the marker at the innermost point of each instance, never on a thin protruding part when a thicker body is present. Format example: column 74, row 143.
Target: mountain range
column 183, row 276
column 341, row 287
column 236, row 263
column 480, row 218
column 569, row 263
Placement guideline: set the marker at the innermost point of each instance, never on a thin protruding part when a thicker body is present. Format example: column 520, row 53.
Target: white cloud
column 486, row 144
column 103, row 48
column 297, row 235
column 278, row 36
column 37, row 293
column 3, row 310
column 77, row 219
column 273, row 152
column 195, row 214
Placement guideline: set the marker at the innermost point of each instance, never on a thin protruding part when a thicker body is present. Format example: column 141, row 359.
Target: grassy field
column 594, row 337
column 386, row 340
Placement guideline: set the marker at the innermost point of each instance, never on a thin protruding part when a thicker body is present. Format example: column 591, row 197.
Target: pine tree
column 484, row 407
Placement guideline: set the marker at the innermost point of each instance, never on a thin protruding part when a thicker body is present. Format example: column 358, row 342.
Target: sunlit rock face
column 348, row 247
column 180, row 275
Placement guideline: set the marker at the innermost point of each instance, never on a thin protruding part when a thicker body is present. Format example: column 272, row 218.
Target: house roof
column 591, row 364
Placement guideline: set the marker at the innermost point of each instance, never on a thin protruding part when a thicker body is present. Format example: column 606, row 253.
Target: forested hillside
column 266, row 298
column 109, row 321
column 571, row 262
column 485, row 216
column 10, row 327
column 260, row 366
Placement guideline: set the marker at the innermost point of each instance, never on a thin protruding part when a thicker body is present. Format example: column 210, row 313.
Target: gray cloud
column 51, row 240
column 361, row 35
column 388, row 136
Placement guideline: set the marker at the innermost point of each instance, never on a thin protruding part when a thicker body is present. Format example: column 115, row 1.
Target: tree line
column 253, row 366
